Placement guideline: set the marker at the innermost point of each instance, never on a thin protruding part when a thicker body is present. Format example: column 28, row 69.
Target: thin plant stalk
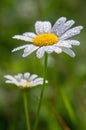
column 42, row 91
column 26, row 110
column 68, row 106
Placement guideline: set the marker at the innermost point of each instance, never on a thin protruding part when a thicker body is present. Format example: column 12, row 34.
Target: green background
column 64, row 102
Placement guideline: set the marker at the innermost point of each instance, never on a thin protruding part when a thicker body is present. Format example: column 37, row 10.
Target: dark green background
column 64, row 103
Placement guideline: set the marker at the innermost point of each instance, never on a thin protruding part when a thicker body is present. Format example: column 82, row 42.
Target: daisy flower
column 49, row 38
column 25, row 80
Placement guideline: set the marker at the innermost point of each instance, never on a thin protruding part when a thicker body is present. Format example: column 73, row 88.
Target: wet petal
column 72, row 32
column 48, row 49
column 64, row 44
column 57, row 49
column 19, row 48
column 73, row 42
column 42, row 27
column 58, row 26
column 29, row 34
column 28, row 50
column 24, row 38
column 40, row 52
column 64, row 27
column 68, row 51
column 68, row 24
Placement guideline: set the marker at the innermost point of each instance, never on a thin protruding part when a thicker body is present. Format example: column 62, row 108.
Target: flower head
column 50, row 39
column 25, row 80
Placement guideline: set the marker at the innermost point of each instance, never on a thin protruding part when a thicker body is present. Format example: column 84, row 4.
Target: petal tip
column 15, row 36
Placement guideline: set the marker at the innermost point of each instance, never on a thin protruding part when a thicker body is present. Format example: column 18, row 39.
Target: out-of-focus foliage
column 64, row 103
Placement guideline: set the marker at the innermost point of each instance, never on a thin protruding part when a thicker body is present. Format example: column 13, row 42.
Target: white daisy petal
column 71, row 32
column 24, row 80
column 64, row 27
column 50, row 39
column 29, row 34
column 57, row 49
column 32, row 77
column 68, row 51
column 9, row 77
column 73, row 42
column 19, row 48
column 22, row 83
column 58, row 26
column 64, row 44
column 40, row 52
column 28, row 50
column 38, row 81
column 8, row 81
column 24, row 38
column 19, row 76
column 33, row 84
column 68, row 24
column 26, row 75
column 11, row 82
column 42, row 27
column 48, row 49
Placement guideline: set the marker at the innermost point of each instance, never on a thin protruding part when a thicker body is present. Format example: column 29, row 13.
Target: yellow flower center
column 45, row 39
column 27, row 84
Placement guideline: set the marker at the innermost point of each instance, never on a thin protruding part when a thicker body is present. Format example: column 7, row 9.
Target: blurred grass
column 64, row 104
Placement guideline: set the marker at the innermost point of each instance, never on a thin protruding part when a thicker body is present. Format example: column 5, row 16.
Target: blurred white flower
column 50, row 39
column 25, row 80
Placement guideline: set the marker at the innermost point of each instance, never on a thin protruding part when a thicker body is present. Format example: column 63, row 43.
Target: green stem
column 42, row 91
column 26, row 110
column 68, row 105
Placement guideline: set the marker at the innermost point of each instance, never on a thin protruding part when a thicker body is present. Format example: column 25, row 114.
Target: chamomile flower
column 50, row 38
column 25, row 80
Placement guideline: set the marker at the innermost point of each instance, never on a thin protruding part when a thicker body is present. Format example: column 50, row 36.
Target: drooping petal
column 57, row 49
column 68, row 51
column 58, row 26
column 48, row 49
column 72, row 32
column 42, row 27
column 40, row 52
column 28, row 50
column 19, row 48
column 22, row 37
